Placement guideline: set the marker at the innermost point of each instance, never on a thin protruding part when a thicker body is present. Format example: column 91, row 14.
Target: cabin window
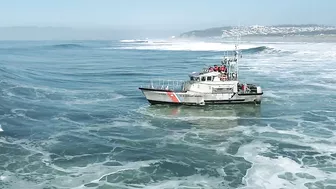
column 209, row 78
column 203, row 78
column 191, row 78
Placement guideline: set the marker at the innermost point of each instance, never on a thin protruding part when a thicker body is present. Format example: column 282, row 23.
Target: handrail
column 166, row 84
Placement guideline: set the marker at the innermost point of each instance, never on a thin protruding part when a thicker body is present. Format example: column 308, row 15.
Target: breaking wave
column 256, row 49
column 190, row 46
column 133, row 41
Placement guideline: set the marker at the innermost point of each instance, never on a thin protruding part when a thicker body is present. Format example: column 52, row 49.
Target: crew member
column 216, row 68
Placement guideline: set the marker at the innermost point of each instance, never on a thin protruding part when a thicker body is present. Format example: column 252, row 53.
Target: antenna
column 237, row 51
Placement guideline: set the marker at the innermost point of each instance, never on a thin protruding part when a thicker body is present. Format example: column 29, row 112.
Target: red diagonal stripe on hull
column 172, row 96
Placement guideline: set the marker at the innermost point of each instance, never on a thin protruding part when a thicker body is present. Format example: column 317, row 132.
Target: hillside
column 257, row 30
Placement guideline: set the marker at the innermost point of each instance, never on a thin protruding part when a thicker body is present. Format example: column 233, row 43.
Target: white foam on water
column 302, row 54
column 12, row 181
column 296, row 136
column 73, row 176
column 96, row 174
column 282, row 172
column 308, row 50
column 77, row 176
column 66, row 119
column 1, row 130
column 194, row 182
column 276, row 173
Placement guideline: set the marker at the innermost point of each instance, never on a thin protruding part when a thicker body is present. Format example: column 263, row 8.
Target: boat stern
column 259, row 94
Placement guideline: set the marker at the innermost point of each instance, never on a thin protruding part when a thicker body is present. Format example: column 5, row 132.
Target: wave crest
column 133, row 41
column 191, row 46
column 256, row 49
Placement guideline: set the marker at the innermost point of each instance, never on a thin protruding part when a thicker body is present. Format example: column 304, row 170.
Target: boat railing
column 164, row 84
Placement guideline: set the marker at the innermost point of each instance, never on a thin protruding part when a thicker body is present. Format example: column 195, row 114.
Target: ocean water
column 72, row 116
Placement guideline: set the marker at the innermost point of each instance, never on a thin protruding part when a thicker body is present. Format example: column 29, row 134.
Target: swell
column 27, row 83
column 94, row 73
column 44, row 47
column 67, row 46
column 10, row 73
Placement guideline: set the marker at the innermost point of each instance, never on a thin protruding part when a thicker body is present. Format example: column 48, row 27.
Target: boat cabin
column 205, row 77
column 212, row 76
column 210, row 82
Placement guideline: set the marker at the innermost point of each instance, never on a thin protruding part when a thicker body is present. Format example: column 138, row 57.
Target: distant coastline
column 284, row 30
column 320, row 33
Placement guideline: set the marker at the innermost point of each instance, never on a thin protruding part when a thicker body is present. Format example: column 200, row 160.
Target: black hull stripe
column 249, row 94
column 149, row 89
column 153, row 102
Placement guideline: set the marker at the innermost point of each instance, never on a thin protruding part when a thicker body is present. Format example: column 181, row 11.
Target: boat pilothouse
column 217, row 84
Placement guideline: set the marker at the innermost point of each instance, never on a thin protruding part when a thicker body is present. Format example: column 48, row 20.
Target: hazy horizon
column 150, row 18
column 68, row 33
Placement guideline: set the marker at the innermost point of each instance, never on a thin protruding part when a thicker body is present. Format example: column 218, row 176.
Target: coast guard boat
column 213, row 85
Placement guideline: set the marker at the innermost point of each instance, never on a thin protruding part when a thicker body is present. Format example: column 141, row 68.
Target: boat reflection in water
column 209, row 116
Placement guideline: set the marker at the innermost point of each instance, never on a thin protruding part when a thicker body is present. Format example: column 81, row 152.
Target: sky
column 164, row 15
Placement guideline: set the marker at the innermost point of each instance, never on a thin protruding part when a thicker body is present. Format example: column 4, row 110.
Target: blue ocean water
column 72, row 117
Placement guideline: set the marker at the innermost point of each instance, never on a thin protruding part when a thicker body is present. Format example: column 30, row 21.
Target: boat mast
column 237, row 54
column 232, row 62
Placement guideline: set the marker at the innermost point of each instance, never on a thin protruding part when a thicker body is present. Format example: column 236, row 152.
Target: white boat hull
column 159, row 96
